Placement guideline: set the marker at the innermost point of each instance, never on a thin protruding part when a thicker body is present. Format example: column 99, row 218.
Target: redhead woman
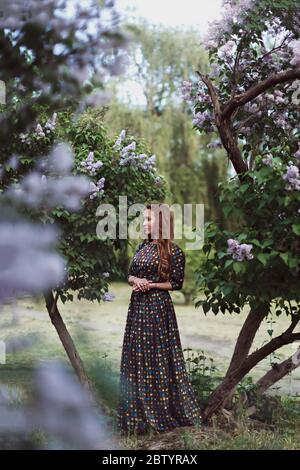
column 155, row 391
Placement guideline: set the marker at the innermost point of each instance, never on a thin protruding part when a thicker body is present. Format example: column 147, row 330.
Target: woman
column 155, row 391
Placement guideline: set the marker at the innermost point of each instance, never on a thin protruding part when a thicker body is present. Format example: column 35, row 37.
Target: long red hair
column 165, row 229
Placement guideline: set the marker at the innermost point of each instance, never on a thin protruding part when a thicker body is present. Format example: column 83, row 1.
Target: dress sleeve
column 177, row 268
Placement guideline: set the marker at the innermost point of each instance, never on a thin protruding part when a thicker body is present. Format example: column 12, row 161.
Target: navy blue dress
column 155, row 391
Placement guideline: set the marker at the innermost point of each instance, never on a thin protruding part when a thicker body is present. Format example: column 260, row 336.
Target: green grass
column 98, row 331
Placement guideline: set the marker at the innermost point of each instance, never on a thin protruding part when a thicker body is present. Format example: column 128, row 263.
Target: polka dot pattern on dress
column 155, row 390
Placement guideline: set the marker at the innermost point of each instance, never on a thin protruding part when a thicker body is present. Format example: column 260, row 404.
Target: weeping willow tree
column 148, row 103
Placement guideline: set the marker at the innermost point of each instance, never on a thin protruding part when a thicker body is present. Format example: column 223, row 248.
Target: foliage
column 273, row 232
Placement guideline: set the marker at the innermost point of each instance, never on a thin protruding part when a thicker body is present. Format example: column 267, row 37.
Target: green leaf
column 262, row 258
column 296, row 229
column 228, row 263
column 238, row 267
column 285, row 258
column 244, row 187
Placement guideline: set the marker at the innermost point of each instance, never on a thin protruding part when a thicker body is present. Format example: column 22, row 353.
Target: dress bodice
column 146, row 260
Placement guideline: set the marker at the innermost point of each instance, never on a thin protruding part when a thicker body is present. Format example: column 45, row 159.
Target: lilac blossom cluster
column 240, row 252
column 61, row 409
column 232, row 13
column 118, row 143
column 275, row 103
column 194, row 93
column 203, row 120
column 108, row 297
column 292, row 177
column 215, row 144
column 268, row 160
column 188, row 90
column 40, row 132
column 97, row 189
column 197, row 94
column 227, row 52
column 90, row 165
column 128, row 155
column 51, row 184
column 28, row 261
column 297, row 154
column 91, row 24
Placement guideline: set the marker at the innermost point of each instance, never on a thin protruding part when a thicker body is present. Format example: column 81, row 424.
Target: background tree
column 47, row 53
column 113, row 171
column 159, row 59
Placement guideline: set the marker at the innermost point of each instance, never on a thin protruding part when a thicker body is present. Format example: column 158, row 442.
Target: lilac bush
column 51, row 55
column 249, row 101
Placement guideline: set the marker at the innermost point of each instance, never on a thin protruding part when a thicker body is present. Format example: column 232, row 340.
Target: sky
column 173, row 12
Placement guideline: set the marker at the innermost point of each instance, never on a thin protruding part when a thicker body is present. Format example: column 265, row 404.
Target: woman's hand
column 141, row 284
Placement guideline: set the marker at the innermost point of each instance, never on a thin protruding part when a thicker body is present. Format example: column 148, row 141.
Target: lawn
column 98, row 333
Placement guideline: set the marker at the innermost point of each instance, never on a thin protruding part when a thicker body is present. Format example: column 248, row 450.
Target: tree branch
column 277, row 372
column 256, row 90
column 212, row 92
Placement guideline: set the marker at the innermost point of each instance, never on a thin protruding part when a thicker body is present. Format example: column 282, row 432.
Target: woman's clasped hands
column 142, row 284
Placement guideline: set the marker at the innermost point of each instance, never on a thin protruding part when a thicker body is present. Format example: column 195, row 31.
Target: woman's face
column 149, row 223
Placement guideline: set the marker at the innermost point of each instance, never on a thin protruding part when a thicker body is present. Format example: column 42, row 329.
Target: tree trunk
column 70, row 348
column 245, row 340
column 66, row 340
column 247, row 335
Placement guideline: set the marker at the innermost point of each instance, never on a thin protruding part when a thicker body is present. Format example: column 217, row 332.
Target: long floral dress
column 155, row 391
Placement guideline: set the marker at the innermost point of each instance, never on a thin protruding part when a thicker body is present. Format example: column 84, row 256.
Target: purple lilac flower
column 97, row 188
column 119, row 140
column 37, row 190
column 215, row 144
column 297, row 154
column 28, row 261
column 128, row 156
column 292, row 178
column 128, row 148
column 108, row 297
column 200, row 118
column 268, row 160
column 239, row 252
column 186, row 90
column 226, row 51
column 139, row 160
column 51, row 123
column 90, row 165
column 39, row 131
